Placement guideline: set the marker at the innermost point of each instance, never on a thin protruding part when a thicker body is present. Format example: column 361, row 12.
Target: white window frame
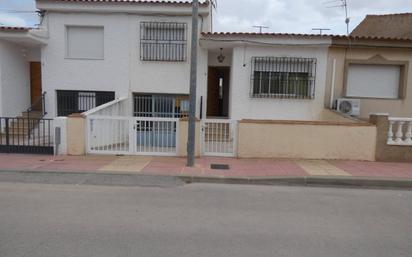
column 66, row 41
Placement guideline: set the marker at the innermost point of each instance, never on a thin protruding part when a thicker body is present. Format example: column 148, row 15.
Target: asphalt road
column 202, row 220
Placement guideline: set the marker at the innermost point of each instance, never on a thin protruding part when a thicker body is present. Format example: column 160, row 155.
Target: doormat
column 219, row 166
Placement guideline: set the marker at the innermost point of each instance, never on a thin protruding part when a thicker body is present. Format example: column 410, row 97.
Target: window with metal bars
column 163, row 41
column 158, row 105
column 69, row 101
column 283, row 77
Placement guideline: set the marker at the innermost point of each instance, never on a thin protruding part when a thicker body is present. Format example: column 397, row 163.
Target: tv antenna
column 214, row 3
column 344, row 5
column 261, row 28
column 320, row 30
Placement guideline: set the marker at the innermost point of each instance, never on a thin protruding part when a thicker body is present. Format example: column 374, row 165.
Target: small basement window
column 283, row 77
column 70, row 101
column 373, row 81
column 163, row 41
column 85, row 42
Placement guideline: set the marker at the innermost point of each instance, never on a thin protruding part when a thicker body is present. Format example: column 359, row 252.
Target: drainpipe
column 332, row 92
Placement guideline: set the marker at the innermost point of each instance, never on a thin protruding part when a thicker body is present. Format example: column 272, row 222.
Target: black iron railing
column 69, row 102
column 283, row 77
column 39, row 105
column 163, row 41
column 26, row 135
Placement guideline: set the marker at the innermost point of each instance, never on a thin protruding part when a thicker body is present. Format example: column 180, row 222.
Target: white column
column 399, row 133
column 390, row 132
column 408, row 135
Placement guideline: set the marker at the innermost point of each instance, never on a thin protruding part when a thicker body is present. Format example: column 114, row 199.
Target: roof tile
column 11, row 28
column 352, row 37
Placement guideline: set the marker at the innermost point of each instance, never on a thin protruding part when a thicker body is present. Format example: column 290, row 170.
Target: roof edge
column 154, row 2
column 351, row 37
column 15, row 28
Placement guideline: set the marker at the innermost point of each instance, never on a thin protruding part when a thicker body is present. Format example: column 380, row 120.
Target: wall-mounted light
column 221, row 57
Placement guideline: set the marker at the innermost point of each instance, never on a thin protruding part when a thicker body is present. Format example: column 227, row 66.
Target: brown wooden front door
column 35, row 84
column 218, row 92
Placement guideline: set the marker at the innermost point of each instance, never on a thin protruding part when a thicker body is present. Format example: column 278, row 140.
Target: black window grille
column 163, row 41
column 283, row 77
column 166, row 106
column 69, row 102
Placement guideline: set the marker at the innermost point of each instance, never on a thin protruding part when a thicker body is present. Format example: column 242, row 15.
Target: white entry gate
column 219, row 137
column 132, row 135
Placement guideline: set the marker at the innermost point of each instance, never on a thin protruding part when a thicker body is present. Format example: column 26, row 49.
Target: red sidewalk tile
column 174, row 166
column 375, row 169
column 52, row 163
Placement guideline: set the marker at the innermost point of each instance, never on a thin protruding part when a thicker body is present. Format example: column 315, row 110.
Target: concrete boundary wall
column 76, row 135
column 306, row 140
column 273, row 139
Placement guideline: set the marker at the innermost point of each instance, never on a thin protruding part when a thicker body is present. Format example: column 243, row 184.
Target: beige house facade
column 383, row 58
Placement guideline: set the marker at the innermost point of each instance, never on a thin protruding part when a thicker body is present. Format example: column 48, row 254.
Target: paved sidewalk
column 175, row 166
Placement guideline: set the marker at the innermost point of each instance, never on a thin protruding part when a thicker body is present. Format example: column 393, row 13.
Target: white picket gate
column 132, row 135
column 219, row 137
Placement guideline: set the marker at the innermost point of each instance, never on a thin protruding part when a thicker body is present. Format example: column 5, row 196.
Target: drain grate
column 215, row 166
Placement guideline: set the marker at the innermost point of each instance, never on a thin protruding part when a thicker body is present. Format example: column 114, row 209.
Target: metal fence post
column 7, row 135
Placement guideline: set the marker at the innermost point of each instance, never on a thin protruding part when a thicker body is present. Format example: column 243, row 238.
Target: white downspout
column 332, row 92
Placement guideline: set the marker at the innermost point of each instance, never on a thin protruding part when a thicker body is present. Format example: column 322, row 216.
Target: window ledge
column 84, row 58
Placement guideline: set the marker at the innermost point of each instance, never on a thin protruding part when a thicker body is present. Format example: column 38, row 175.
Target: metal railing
column 219, row 137
column 166, row 106
column 69, row 102
column 109, row 135
column 156, row 136
column 283, row 77
column 118, row 107
column 400, row 131
column 163, row 41
column 38, row 105
column 128, row 135
column 26, row 135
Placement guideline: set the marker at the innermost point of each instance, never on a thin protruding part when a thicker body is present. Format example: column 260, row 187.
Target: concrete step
column 33, row 114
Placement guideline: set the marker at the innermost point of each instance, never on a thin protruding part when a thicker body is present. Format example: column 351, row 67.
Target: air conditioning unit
column 349, row 106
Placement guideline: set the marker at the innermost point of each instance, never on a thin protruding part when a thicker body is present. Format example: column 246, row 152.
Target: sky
column 293, row 16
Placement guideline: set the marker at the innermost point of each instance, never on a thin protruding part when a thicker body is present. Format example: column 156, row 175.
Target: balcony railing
column 400, row 131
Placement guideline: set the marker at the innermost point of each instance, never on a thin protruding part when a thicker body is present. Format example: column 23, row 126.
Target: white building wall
column 109, row 74
column 14, row 79
column 121, row 70
column 242, row 106
column 160, row 76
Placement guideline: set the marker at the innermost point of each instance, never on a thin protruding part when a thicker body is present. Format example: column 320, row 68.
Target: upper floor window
column 163, row 41
column 283, row 77
column 85, row 42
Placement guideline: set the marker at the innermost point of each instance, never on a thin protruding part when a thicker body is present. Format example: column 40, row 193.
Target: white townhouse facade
column 91, row 52
column 125, row 66
column 272, row 76
column 121, row 48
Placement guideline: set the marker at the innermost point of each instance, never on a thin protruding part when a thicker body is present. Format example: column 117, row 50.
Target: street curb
column 360, row 182
column 327, row 181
